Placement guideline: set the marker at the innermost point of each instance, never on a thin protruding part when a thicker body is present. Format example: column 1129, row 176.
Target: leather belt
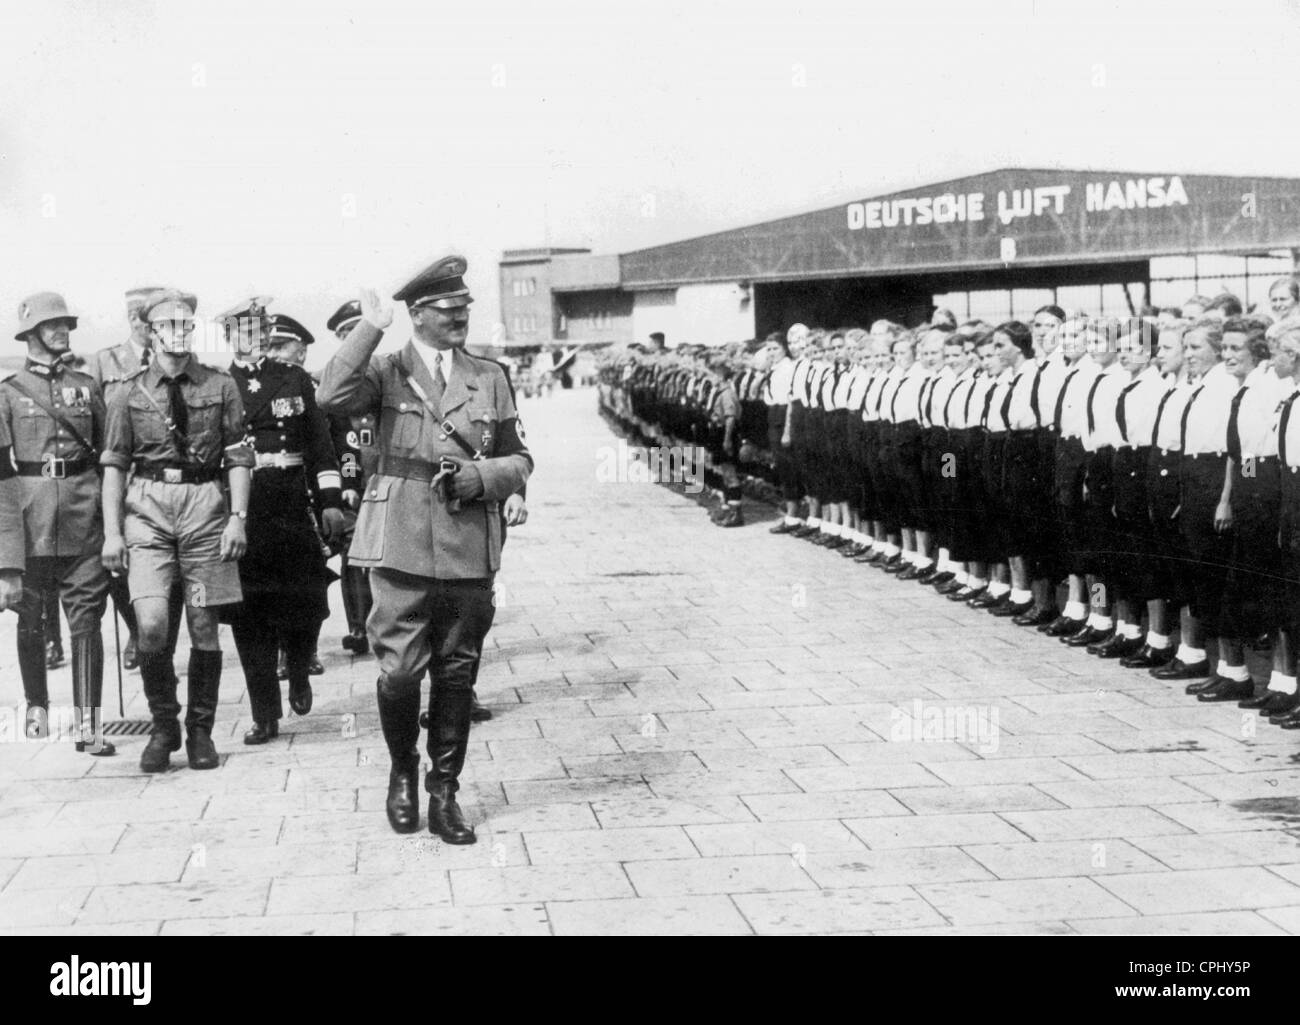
column 55, row 468
column 1205, row 455
column 279, row 460
column 177, row 474
column 411, row 469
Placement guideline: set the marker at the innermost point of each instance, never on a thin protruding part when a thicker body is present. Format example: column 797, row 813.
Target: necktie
column 1160, row 412
column 1006, row 403
column 1234, row 429
column 177, row 409
column 144, row 357
column 439, row 380
column 1120, row 416
column 948, row 405
column 988, row 404
column 1182, row 427
column 965, row 413
column 1060, row 399
column 1092, row 420
column 1033, row 394
column 1281, row 428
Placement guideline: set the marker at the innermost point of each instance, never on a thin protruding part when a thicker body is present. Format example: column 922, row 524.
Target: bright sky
column 298, row 150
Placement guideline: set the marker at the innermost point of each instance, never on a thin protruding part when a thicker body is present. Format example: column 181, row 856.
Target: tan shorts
column 176, row 528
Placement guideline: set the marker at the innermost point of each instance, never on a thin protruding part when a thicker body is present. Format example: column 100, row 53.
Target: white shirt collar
column 431, row 357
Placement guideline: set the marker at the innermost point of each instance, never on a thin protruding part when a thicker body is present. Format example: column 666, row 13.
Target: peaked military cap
column 137, row 296
column 249, row 309
column 36, row 309
column 345, row 316
column 441, row 285
column 286, row 329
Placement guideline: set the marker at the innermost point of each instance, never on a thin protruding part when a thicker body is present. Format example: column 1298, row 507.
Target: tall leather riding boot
column 88, row 693
column 399, row 716
column 175, row 616
column 357, row 602
column 201, row 715
column 31, row 666
column 158, row 677
column 449, row 719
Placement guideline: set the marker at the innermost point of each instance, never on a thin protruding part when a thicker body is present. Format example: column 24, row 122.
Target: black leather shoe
column 1041, row 618
column 1147, row 657
column 836, row 544
column 946, row 577
column 879, row 560
column 950, row 588
column 300, row 698
column 478, row 713
column 965, row 593
column 1088, row 635
column 896, row 565
column 262, row 732
column 1011, row 610
column 927, row 575
column 805, row 531
column 783, row 528
column 868, row 557
column 1116, row 647
column 1282, row 707
column 156, row 756
column 314, row 668
column 983, row 600
column 445, row 818
column 130, row 659
column 911, row 573
column 1279, row 706
column 1226, row 690
column 1063, row 626
column 402, row 804
column 1177, row 669
column 200, row 750
column 1288, row 722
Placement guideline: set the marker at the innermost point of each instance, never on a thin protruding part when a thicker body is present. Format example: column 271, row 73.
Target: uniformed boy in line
column 429, row 527
column 110, row 368
column 177, row 429
column 725, row 413
column 55, row 417
column 283, row 575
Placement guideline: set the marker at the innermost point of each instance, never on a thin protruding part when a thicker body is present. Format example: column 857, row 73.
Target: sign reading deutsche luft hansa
column 1023, row 216
column 1016, row 203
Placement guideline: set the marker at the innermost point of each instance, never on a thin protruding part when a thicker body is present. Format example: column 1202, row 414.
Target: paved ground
column 696, row 730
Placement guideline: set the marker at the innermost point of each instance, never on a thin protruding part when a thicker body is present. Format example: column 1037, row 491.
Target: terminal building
column 994, row 246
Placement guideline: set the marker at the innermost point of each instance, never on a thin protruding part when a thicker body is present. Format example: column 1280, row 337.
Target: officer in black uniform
column 283, row 574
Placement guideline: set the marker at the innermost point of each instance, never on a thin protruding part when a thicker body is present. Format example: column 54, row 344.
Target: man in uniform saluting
column 282, row 575
column 176, row 428
column 429, row 526
column 55, row 417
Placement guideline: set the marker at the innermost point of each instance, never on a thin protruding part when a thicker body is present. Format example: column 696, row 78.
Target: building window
column 515, row 324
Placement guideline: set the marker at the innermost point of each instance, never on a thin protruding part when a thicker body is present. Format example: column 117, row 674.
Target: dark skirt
column 1132, row 570
column 1254, row 590
column 908, row 451
column 1099, row 523
column 1022, row 495
column 1067, row 492
column 1207, row 552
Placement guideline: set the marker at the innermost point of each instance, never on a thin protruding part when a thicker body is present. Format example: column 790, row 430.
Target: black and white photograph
column 699, row 469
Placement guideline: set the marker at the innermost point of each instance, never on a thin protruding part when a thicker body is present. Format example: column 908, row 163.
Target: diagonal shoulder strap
column 446, row 426
column 53, row 414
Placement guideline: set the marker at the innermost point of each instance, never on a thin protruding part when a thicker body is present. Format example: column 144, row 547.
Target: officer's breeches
column 420, row 624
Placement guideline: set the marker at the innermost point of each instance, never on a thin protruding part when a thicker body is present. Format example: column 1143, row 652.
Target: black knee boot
column 201, row 716
column 356, row 606
column 31, row 666
column 159, row 679
column 399, row 716
column 449, row 719
column 88, row 693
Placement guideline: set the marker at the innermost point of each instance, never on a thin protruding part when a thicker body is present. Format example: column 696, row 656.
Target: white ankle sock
column 997, row 589
column 1282, row 684
column 1075, row 610
column 1019, row 597
column 1237, row 674
column 1159, row 642
column 1130, row 631
column 1189, row 656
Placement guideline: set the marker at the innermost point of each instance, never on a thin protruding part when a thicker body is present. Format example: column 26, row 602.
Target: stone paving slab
column 695, row 731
